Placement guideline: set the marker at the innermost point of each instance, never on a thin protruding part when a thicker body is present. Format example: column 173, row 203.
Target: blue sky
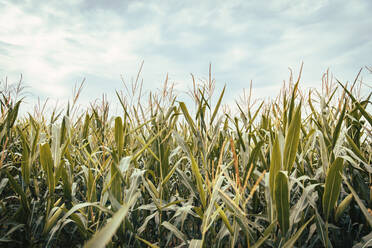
column 55, row 44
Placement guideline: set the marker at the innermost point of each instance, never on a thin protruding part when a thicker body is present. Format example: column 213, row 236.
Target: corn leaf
column 360, row 203
column 281, row 192
column 103, row 237
column 342, row 207
column 291, row 242
column 332, row 186
column 291, row 140
column 275, row 165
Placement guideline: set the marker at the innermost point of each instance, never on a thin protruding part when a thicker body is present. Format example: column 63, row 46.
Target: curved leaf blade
column 291, row 140
column 282, row 201
column 342, row 207
column 332, row 186
column 293, row 239
column 275, row 165
column 101, row 238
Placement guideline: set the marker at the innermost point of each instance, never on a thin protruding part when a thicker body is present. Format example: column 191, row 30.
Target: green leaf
column 64, row 130
column 18, row 189
column 291, row 140
column 359, row 106
column 218, row 105
column 355, row 148
column 360, row 203
column 292, row 103
column 337, row 130
column 224, row 218
column 66, row 179
column 266, row 234
column 147, row 144
column 321, row 229
column 83, row 205
column 102, row 237
column 86, row 126
column 199, row 180
column 13, row 115
column 174, row 230
column 169, row 175
column 275, row 165
column 46, row 161
column 119, row 136
column 147, row 242
column 343, row 205
column 53, row 219
column 332, row 186
column 293, row 239
column 25, row 164
column 281, row 192
column 188, row 117
column 241, row 216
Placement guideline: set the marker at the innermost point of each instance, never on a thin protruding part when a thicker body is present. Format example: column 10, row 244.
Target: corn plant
column 293, row 172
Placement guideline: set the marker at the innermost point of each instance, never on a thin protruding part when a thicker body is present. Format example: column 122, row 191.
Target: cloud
column 56, row 45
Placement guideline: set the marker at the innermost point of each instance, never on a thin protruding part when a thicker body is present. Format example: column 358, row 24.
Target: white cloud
column 47, row 53
column 58, row 44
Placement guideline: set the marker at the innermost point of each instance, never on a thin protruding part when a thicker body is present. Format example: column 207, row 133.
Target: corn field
column 291, row 172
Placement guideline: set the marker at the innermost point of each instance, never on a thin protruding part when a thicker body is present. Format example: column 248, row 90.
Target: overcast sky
column 55, row 44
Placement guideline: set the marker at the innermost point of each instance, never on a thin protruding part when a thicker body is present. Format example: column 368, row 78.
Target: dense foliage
column 292, row 172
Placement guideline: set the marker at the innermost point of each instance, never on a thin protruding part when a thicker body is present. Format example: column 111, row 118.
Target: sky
column 57, row 44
